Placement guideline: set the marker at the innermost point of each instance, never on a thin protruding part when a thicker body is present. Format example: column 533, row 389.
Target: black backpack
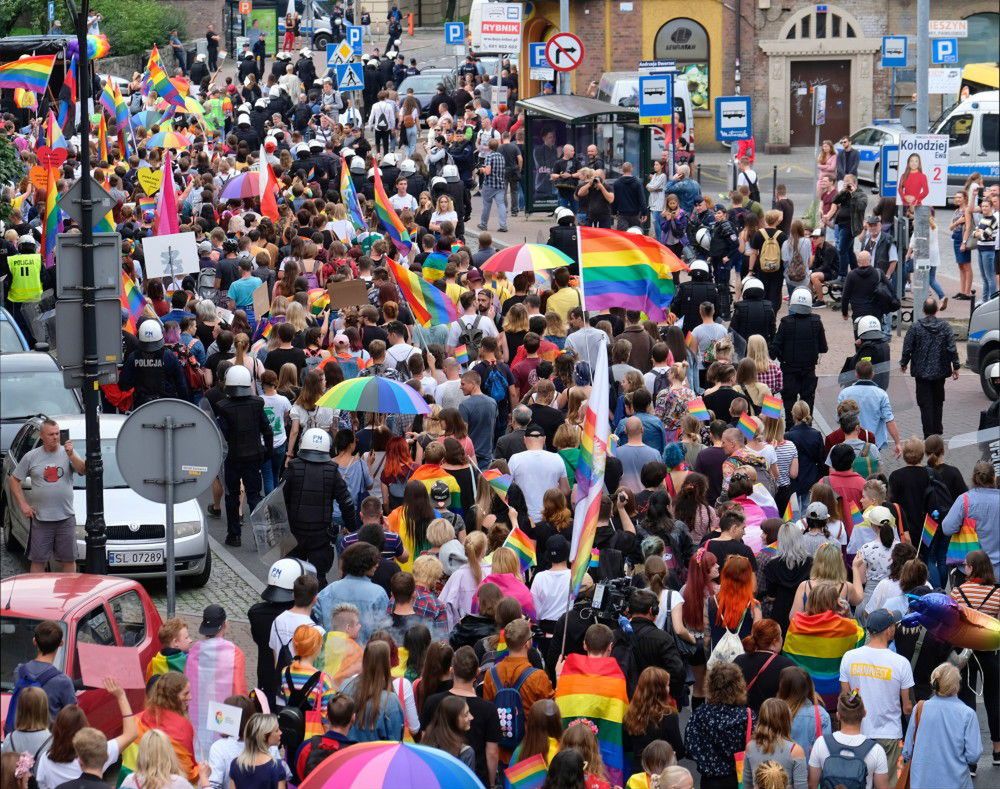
column 937, row 497
column 292, row 717
column 661, row 381
column 321, row 747
column 885, row 300
column 754, row 187
column 471, row 336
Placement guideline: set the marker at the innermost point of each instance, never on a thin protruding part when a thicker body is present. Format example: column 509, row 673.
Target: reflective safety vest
column 26, row 278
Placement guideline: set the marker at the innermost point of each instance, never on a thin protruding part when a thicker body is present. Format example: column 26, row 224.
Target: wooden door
column 836, row 75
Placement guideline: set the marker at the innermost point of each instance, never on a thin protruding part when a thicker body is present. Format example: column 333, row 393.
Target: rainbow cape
column 390, row 220
column 350, row 197
column 747, row 426
column 696, row 407
column 181, row 734
column 161, row 664
column 429, row 473
column 29, row 73
column 499, row 481
column 621, row 269
column 339, row 657
column 817, row 642
column 133, row 302
column 527, row 773
column 434, row 266
column 216, row 669
column 930, row 529
column 430, row 306
column 771, row 407
column 521, row 544
column 594, row 688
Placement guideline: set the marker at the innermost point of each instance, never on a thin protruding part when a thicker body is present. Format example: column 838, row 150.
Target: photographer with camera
column 640, row 643
column 595, row 199
column 849, row 221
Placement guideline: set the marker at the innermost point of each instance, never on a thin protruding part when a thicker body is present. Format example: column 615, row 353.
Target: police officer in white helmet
column 798, row 343
column 873, row 345
column 153, row 372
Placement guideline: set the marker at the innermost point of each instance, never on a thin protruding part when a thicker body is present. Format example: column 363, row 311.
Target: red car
column 95, row 609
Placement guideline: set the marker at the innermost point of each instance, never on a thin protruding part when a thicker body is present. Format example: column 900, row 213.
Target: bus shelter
column 552, row 121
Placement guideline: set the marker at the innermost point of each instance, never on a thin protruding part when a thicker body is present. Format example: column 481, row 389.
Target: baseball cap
column 557, row 548
column 440, row 492
column 205, row 247
column 341, row 339
column 882, row 619
column 817, row 511
column 817, row 231
column 212, row 620
column 534, row 431
column 872, row 220
column 474, row 275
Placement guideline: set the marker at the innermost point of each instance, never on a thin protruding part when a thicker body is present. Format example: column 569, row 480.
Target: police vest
column 26, row 277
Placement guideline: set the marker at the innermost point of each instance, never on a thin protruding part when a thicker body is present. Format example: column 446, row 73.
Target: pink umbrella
column 242, row 186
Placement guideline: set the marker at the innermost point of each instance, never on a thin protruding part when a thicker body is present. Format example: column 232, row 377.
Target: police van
column 973, row 129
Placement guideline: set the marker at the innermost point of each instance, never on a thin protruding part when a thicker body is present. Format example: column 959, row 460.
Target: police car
column 868, row 141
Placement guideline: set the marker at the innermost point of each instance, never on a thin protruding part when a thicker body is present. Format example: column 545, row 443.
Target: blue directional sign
column 732, row 118
column 350, row 76
column 454, row 33
column 888, row 170
column 536, row 56
column 893, row 51
column 944, row 50
column 354, row 36
column 656, row 99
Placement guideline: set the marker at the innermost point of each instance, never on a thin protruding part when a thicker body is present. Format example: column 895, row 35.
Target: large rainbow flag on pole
column 50, row 225
column 390, row 220
column 350, row 197
column 430, row 306
column 590, row 473
column 817, row 642
column 29, row 73
column 133, row 302
column 160, row 82
column 167, row 221
column 627, row 270
column 70, row 79
column 594, row 688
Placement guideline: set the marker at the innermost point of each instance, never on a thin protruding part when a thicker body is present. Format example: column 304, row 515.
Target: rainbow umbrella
column 374, row 765
column 146, row 118
column 374, row 395
column 168, row 139
column 242, row 186
column 527, row 257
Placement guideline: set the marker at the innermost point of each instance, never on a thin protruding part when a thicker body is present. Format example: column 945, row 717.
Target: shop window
column 980, row 46
column 686, row 42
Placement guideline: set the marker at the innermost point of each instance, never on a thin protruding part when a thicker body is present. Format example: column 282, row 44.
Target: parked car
column 868, row 141
column 135, row 526
column 31, row 383
column 424, row 87
column 92, row 609
column 984, row 342
column 11, row 338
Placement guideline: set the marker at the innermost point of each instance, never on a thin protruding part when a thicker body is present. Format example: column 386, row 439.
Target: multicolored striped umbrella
column 169, row 139
column 527, row 257
column 374, row 395
column 375, row 765
column 242, row 186
column 146, row 118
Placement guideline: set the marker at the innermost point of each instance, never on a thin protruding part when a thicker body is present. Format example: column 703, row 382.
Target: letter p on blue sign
column 944, row 50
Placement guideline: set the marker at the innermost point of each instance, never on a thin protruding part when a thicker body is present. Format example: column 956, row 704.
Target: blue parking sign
column 536, row 56
column 888, row 175
column 354, row 36
column 944, row 50
column 454, row 33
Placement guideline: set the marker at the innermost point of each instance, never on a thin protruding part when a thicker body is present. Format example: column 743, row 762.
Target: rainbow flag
column 97, row 46
column 499, row 481
column 964, row 541
column 521, row 544
column 590, row 473
column 216, row 668
column 70, row 79
column 160, row 82
column 54, row 136
column 461, row 354
column 429, row 473
column 30, row 73
column 930, row 529
column 747, row 426
column 339, row 657
column 816, row 643
column 113, row 101
column 50, row 226
column 167, row 221
column 595, row 557
column 161, row 664
column 430, row 306
column 390, row 219
column 772, row 407
column 527, row 773
column 621, row 269
column 434, row 266
column 787, row 514
column 350, row 197
column 181, row 733
column 856, row 517
column 263, row 329
column 133, row 302
column 697, row 409
column 102, row 139
column 594, row 688
column 318, row 300
column 145, row 204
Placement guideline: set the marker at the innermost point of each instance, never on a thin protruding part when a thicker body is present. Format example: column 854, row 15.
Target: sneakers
column 213, row 512
column 996, row 758
column 501, row 230
column 819, row 304
column 234, row 541
column 482, row 227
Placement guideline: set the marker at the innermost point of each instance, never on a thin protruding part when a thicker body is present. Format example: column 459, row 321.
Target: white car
column 135, row 527
column 868, row 142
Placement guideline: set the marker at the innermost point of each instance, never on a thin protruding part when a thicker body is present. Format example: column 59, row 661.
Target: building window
column 830, row 24
column 981, row 44
column 686, row 42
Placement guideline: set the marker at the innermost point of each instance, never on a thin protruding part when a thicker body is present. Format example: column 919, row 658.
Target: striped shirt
column 786, row 452
column 300, row 675
column 976, row 594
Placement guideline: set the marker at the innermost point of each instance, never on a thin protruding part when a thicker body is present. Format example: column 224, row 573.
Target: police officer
column 312, row 484
column 153, row 372
column 247, row 431
column 25, row 271
column 415, row 182
column 199, row 70
column 798, row 343
column 989, row 418
column 357, row 168
column 305, row 69
column 390, row 172
column 691, row 294
column 562, row 236
column 245, row 132
column 753, row 314
column 872, row 344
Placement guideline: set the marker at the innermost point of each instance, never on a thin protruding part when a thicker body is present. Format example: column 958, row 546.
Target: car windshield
column 421, row 83
column 9, row 341
column 16, row 633
column 37, row 392
column 112, row 474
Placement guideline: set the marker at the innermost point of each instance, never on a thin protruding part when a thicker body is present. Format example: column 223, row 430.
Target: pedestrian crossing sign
column 350, row 76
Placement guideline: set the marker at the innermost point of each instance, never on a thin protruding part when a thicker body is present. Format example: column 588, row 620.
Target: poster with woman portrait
column 923, row 170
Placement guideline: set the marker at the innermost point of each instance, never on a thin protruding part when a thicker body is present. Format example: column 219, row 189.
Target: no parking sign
column 923, row 170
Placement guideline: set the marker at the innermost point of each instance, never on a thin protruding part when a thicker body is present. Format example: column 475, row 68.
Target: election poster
column 923, row 170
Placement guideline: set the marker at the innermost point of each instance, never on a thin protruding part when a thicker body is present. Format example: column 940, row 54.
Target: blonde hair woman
column 256, row 766
column 768, row 370
column 555, row 329
column 241, row 346
column 461, row 587
column 505, row 572
column 339, row 224
column 444, row 211
column 828, row 566
column 296, row 315
column 156, row 765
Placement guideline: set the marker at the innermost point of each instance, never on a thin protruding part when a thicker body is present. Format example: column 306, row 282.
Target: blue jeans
column 907, row 266
column 987, row 268
column 270, row 469
column 494, row 194
column 411, row 139
column 845, row 248
column 937, row 566
column 933, row 284
column 569, row 202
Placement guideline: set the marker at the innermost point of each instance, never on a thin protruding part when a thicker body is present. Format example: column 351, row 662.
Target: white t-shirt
column 535, row 471
column 51, row 774
column 676, row 599
column 449, row 394
column 875, row 760
column 402, row 352
column 879, row 675
column 428, row 384
column 401, row 201
column 320, row 417
column 486, row 326
column 283, row 628
column 276, row 407
column 549, row 593
column 768, row 453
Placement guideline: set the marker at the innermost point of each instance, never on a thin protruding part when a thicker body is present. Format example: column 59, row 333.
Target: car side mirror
column 42, row 347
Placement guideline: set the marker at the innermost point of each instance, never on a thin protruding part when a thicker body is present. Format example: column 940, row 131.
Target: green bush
column 11, row 170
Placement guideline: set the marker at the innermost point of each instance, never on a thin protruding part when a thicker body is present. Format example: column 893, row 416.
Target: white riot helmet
column 698, row 265
column 869, row 328
column 752, row 283
column 315, row 446
column 564, row 213
column 407, row 167
column 347, row 153
column 993, row 371
column 450, row 173
column 357, row 165
column 281, row 579
column 636, row 231
column 371, row 172
column 801, row 301
column 389, row 160
column 238, row 381
column 315, row 144
column 703, row 237
column 150, row 336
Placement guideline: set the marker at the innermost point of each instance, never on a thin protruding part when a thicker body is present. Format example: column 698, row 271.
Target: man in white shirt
column 472, row 320
column 536, row 471
column 399, row 350
column 449, row 394
column 304, row 593
column 584, row 340
column 548, row 589
column 401, row 199
column 883, row 680
column 660, row 354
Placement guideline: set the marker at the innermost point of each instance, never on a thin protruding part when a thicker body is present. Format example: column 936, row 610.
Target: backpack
column 937, row 496
column 796, row 271
column 661, row 381
column 866, row 462
column 726, row 650
column 26, row 681
column 510, row 708
column 381, row 122
column 845, row 767
column 495, row 385
column 285, row 657
column 320, row 748
column 471, row 336
column 754, row 187
column 885, row 300
column 292, row 717
column 770, row 253
column 194, row 373
column 206, row 283
column 312, row 359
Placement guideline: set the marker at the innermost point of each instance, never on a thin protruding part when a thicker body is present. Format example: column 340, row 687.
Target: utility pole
column 921, row 214
column 96, row 556
column 563, row 76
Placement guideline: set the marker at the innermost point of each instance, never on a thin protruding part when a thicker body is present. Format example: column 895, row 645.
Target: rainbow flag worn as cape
column 29, row 73
column 930, row 529
column 521, row 544
column 430, row 306
column 216, row 670
column 181, row 734
column 350, row 197
column 390, row 220
column 527, row 773
column 161, row 664
column 817, row 642
column 429, row 473
column 621, row 269
column 339, row 657
column 434, row 266
column 594, row 688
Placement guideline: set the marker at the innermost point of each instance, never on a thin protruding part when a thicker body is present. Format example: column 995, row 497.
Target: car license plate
column 124, row 558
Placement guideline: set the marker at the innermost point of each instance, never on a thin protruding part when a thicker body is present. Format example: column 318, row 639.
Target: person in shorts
column 48, row 504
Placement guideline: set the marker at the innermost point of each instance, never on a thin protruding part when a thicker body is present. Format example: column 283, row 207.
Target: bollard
column 409, row 24
column 698, row 174
column 774, row 186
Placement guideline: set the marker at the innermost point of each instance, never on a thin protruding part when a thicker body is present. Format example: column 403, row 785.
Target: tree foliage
column 11, row 170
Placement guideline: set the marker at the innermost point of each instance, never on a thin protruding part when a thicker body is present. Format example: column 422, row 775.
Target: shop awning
column 574, row 109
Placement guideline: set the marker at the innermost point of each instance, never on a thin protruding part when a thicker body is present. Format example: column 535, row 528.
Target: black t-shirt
column 212, row 362
column 485, row 726
column 723, row 549
column 567, row 185
column 510, row 152
column 709, row 463
column 597, row 203
column 281, row 356
column 227, row 272
column 549, row 419
column 718, row 402
column 369, row 333
column 766, row 684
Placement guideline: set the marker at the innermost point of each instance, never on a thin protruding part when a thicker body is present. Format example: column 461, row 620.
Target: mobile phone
column 63, row 437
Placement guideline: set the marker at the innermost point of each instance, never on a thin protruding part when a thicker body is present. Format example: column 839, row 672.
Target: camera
column 610, row 601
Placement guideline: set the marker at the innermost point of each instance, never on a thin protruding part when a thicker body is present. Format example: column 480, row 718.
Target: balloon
column 957, row 624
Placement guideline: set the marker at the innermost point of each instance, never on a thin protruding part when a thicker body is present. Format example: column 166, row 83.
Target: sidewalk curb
column 233, row 564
